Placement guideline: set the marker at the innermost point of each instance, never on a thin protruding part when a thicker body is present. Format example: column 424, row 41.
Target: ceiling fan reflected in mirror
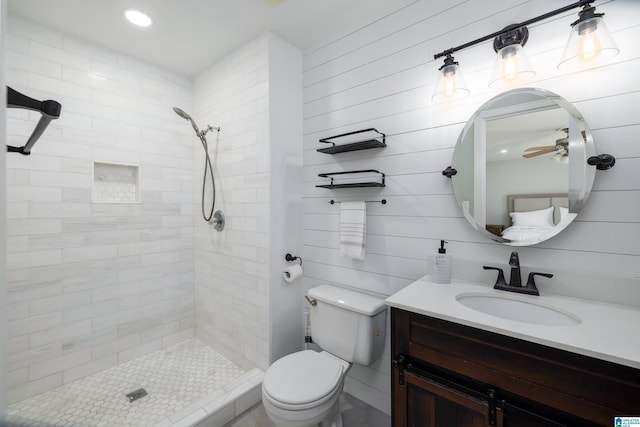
column 560, row 148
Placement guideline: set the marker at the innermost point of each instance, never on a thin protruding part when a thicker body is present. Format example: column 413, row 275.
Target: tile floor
column 185, row 383
column 355, row 413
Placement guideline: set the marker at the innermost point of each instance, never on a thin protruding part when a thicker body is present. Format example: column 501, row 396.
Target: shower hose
column 208, row 169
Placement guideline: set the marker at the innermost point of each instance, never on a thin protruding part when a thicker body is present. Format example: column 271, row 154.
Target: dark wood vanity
column 446, row 374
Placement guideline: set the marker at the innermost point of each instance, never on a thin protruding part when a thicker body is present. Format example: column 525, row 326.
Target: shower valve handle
column 218, row 220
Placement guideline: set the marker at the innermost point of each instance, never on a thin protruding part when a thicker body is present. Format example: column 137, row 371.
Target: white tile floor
column 186, row 383
column 355, row 413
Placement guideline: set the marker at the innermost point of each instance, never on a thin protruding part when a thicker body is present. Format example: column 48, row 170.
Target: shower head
column 185, row 116
column 182, row 114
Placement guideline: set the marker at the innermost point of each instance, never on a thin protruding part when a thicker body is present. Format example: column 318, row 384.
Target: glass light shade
column 511, row 67
column 450, row 84
column 589, row 45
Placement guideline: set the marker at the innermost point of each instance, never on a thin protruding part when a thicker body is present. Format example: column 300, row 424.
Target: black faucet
column 514, row 262
column 515, row 279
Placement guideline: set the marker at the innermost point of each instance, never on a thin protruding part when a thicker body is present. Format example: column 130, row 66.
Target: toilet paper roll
column 292, row 272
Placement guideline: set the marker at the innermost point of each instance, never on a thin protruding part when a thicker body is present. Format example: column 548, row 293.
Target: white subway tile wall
column 93, row 285
column 231, row 273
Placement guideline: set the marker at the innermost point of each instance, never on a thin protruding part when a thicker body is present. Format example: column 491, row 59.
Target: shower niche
column 115, row 183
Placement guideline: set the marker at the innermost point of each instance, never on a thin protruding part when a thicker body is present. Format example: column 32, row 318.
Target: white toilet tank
column 348, row 324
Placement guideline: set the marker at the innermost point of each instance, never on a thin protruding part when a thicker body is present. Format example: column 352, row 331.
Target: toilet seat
column 303, row 380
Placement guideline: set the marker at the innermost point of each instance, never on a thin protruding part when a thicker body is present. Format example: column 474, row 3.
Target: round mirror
column 521, row 162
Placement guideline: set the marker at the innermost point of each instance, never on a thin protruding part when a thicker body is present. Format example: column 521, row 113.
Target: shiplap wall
column 382, row 74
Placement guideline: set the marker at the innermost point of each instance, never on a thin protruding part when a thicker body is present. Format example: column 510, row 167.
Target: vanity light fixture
column 590, row 43
column 138, row 17
column 512, row 64
column 450, row 84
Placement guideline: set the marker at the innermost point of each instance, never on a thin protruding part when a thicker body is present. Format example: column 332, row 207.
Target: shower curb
column 221, row 407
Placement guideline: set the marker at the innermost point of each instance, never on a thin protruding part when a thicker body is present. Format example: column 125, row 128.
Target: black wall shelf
column 352, row 146
column 352, row 184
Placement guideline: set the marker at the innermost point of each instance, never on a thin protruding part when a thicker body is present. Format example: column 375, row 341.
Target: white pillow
column 563, row 212
column 541, row 218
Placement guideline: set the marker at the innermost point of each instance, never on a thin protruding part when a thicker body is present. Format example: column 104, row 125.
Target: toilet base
column 324, row 415
column 336, row 421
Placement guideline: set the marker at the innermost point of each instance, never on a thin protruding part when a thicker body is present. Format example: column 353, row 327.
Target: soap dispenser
column 442, row 265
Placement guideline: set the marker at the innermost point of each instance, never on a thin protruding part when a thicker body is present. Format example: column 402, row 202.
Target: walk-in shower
column 218, row 216
column 183, row 384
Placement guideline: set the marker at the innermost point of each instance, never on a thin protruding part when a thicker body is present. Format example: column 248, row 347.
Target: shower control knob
column 218, row 220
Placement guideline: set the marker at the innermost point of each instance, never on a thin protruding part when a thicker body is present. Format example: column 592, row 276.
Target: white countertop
column 606, row 331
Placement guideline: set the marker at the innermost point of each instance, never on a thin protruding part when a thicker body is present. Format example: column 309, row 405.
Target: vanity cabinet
column 446, row 374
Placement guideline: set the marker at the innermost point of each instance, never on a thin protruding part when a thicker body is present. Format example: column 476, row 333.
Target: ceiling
column 190, row 35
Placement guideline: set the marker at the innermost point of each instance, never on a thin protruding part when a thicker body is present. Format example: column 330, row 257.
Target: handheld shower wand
column 200, row 133
column 218, row 220
column 182, row 114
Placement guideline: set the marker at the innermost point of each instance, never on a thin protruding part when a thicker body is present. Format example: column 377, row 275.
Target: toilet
column 303, row 388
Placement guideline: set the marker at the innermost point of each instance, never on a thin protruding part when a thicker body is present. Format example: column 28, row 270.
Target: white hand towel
column 353, row 225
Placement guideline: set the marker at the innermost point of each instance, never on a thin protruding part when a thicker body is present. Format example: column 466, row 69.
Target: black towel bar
column 49, row 109
column 383, row 201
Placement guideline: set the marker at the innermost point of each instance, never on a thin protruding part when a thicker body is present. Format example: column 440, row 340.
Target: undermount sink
column 520, row 310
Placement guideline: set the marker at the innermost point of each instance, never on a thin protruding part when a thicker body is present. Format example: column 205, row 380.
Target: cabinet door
column 432, row 404
column 516, row 416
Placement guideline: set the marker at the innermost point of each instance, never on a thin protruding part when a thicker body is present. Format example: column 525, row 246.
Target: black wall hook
column 602, row 161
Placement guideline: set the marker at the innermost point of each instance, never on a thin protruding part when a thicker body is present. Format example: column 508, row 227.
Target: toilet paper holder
column 291, row 258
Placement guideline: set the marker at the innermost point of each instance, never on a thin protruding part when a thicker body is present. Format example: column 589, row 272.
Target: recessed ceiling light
column 138, row 18
column 504, row 151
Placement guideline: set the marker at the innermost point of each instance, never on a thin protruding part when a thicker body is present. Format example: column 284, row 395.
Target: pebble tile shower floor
column 185, row 383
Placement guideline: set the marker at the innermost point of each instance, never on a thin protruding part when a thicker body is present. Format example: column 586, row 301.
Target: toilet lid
column 302, row 377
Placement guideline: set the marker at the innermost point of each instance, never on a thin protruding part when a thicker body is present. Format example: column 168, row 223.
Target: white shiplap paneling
column 382, row 76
